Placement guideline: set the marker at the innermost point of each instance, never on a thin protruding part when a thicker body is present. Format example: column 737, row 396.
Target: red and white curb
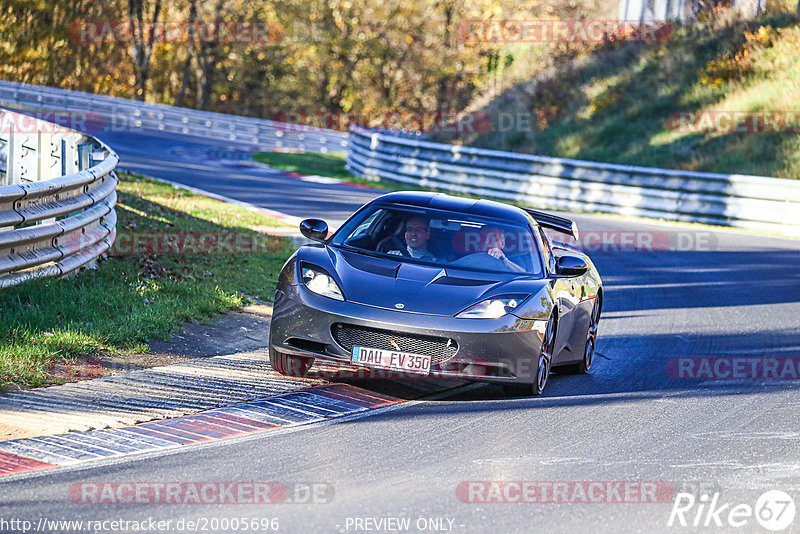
column 139, row 396
column 281, row 411
column 331, row 181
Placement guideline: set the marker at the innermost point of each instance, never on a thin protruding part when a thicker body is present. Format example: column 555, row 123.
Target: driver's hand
column 496, row 253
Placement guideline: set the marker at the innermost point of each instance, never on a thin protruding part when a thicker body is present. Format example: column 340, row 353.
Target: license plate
column 392, row 360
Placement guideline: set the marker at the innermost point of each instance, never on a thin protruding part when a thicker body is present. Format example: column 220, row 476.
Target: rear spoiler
column 554, row 222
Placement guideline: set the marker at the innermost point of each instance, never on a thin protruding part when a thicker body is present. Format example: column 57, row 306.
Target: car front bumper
column 503, row 350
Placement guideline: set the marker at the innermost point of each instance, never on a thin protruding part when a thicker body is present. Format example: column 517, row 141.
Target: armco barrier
column 57, row 197
column 111, row 114
column 752, row 202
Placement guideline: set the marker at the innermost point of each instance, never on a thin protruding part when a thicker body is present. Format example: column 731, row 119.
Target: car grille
column 349, row 336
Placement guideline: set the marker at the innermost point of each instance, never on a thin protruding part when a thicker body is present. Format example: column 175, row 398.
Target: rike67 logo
column 774, row 510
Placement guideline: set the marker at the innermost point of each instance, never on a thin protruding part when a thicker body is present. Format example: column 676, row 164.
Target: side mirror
column 571, row 265
column 314, row 229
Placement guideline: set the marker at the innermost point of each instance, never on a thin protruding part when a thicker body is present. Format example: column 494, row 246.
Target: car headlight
column 493, row 308
column 320, row 282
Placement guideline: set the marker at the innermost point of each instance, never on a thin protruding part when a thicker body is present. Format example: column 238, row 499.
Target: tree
column 187, row 66
column 142, row 42
column 337, row 55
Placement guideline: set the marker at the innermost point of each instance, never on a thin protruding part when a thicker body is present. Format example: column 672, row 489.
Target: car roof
column 442, row 201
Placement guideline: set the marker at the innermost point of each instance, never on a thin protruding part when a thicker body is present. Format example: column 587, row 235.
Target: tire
column 543, row 368
column 295, row 366
column 584, row 366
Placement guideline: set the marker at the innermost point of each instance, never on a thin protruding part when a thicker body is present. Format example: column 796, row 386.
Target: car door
column 565, row 293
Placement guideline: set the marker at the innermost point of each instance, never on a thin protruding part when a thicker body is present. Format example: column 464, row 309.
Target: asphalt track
column 632, row 419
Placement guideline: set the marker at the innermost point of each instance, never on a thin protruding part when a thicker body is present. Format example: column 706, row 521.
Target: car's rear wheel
column 286, row 365
column 591, row 338
column 585, row 365
column 544, row 364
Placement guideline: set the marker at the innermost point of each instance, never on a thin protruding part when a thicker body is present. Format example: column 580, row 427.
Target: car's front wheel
column 286, row 365
column 544, row 364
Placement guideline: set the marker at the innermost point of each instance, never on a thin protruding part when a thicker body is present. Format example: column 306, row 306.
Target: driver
column 494, row 244
column 417, row 235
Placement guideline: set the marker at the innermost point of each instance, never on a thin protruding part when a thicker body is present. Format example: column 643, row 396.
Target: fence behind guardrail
column 754, row 202
column 57, row 197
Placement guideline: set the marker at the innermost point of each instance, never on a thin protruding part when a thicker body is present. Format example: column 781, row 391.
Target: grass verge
column 140, row 292
column 331, row 165
column 621, row 104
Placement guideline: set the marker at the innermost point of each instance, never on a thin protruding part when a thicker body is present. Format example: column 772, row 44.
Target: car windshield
column 442, row 238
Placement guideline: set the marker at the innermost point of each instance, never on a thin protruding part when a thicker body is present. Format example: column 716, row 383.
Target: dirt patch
column 238, row 331
column 8, row 432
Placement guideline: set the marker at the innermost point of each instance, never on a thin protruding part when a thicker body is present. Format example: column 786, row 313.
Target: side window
column 364, row 226
column 549, row 259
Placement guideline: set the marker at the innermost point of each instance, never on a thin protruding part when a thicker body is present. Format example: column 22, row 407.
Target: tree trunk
column 208, row 57
column 141, row 45
column 187, row 66
column 443, row 86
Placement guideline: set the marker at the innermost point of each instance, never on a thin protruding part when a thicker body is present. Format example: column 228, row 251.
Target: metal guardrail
column 57, row 197
column 124, row 115
column 752, row 202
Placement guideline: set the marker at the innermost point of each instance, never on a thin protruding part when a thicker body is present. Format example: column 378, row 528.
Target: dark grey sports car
column 426, row 284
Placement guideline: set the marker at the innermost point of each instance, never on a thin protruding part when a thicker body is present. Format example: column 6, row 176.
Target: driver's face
column 417, row 232
column 495, row 239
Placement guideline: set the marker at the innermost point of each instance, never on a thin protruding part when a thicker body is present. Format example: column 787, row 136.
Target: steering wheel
column 393, row 243
column 498, row 262
column 481, row 260
column 401, row 247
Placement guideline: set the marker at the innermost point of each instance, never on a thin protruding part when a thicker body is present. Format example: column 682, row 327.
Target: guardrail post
column 42, row 156
column 47, row 161
column 6, row 180
column 11, row 157
column 25, row 163
column 55, row 155
column 86, row 161
column 64, row 157
column 69, row 156
column 84, row 156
